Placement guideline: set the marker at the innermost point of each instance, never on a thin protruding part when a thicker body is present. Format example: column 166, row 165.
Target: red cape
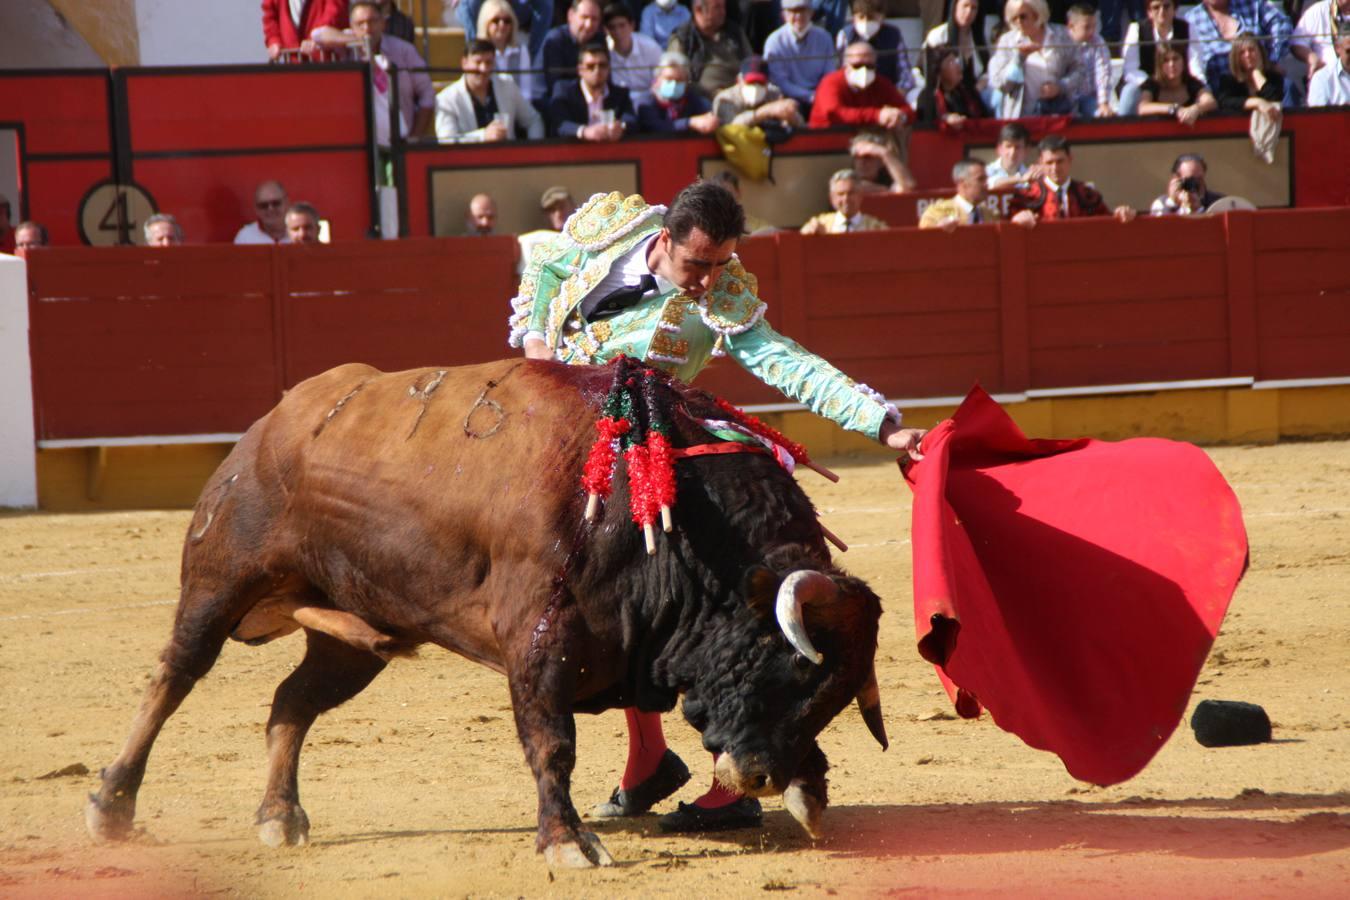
column 1072, row 588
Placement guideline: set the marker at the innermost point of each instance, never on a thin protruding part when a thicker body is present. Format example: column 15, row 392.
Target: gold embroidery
column 669, row 348
column 674, row 311
column 603, row 331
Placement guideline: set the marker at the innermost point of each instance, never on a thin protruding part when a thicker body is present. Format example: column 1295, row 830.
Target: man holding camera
column 1187, row 193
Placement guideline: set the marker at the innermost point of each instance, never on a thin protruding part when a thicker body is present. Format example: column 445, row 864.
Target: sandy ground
column 418, row 787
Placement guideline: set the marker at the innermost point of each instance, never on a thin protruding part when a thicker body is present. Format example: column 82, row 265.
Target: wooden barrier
column 203, row 339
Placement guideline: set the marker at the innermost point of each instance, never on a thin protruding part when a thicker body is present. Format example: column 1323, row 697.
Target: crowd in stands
column 578, row 70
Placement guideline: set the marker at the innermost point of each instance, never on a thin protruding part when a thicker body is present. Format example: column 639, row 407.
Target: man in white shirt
column 270, row 203
column 1330, row 85
column 1314, row 37
column 633, row 56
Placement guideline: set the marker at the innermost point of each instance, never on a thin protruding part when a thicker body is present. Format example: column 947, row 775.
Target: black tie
column 975, row 216
column 616, row 301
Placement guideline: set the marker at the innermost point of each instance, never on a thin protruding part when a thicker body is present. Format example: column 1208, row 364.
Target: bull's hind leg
column 331, row 673
column 201, row 625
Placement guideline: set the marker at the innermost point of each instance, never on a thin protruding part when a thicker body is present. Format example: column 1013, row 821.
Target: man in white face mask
column 869, row 24
column 752, row 100
column 799, row 53
column 856, row 96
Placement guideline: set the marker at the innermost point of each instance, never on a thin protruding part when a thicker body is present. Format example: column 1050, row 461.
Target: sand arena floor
column 418, row 788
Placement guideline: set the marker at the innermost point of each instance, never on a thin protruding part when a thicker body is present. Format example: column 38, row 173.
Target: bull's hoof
column 585, row 854
column 289, row 830
column 805, row 808
column 108, row 824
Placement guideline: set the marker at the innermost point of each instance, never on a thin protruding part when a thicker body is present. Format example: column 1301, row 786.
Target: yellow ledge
column 171, row 476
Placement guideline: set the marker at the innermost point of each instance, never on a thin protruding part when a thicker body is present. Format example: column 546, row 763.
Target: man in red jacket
column 856, row 95
column 282, row 31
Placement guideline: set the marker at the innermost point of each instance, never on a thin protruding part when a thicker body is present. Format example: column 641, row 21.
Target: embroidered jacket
column 1040, row 198
column 674, row 331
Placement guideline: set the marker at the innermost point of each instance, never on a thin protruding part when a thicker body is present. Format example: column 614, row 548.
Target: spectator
column 591, row 107
column 877, row 163
column 1213, row 23
column 661, row 18
column 799, row 54
column 1055, row 195
column 497, row 23
column 397, row 23
column 416, row 95
column 1251, row 83
column 633, row 56
column 270, row 203
column 854, row 95
column 481, row 107
column 968, row 207
column 281, row 31
column 1011, row 166
column 1330, row 85
column 1173, row 91
column 752, row 100
column 1187, row 190
column 480, row 219
column 28, row 236
column 562, row 47
column 162, row 230
column 1032, row 63
column 6, row 230
column 558, row 205
column 673, row 104
column 1142, row 40
column 949, row 97
column 964, row 30
column 302, row 223
column 833, row 15
column 1090, row 85
column 715, row 49
column 1313, row 40
column 753, row 224
column 869, row 24
column 846, row 198
column 531, row 18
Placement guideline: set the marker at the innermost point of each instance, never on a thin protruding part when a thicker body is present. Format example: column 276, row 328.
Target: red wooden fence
column 132, row 341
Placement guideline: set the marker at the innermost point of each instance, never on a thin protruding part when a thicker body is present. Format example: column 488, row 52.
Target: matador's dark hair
column 709, row 207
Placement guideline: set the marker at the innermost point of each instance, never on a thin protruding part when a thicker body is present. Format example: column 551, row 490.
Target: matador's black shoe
column 744, row 813
column 670, row 775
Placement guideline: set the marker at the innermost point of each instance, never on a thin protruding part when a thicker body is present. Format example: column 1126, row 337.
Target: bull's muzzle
column 749, row 775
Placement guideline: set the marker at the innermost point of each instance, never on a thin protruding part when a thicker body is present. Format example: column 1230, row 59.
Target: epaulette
column 605, row 218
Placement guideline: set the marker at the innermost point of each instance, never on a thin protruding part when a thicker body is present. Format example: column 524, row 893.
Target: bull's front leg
column 543, row 684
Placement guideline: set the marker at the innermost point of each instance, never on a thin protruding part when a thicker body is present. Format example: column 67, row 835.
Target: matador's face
column 695, row 263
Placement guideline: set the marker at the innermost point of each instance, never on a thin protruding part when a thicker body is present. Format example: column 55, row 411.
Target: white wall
column 18, row 472
column 199, row 32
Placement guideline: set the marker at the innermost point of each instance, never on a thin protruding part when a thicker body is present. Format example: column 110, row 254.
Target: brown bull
column 383, row 511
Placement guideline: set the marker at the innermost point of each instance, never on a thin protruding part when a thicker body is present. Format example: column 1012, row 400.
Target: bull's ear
column 760, row 587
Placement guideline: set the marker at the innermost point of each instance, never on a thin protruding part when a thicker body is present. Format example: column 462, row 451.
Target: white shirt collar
column 591, row 98
column 844, row 224
column 633, row 265
column 964, row 205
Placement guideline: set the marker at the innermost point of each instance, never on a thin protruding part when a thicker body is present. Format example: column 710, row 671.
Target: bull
column 379, row 512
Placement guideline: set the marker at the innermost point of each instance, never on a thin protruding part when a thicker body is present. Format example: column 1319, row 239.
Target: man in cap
column 557, row 205
column 752, row 100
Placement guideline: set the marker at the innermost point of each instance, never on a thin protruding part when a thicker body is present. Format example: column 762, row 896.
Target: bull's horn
column 869, row 704
column 799, row 588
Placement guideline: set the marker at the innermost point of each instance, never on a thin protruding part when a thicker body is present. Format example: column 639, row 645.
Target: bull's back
column 428, row 487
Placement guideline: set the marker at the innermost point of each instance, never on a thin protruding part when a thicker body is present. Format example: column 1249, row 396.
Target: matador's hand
column 905, row 440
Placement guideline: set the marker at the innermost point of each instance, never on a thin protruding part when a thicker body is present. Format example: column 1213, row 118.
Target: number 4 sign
column 113, row 213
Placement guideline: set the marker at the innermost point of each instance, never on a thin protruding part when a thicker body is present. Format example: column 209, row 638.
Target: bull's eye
column 802, row 667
